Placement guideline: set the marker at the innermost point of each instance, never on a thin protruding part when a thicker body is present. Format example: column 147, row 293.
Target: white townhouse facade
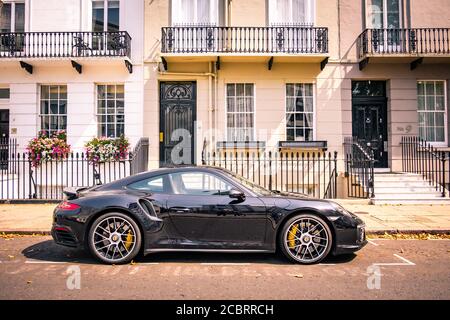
column 73, row 65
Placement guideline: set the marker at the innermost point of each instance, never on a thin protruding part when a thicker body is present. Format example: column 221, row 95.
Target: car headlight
column 337, row 207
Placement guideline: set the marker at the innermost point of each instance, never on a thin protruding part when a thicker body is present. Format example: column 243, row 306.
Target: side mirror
column 236, row 194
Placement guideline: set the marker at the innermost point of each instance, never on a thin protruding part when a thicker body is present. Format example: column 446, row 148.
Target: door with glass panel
column 12, row 27
column 386, row 17
column 105, row 26
column 195, row 23
column 291, row 22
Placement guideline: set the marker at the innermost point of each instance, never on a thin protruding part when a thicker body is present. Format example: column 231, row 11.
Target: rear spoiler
column 71, row 193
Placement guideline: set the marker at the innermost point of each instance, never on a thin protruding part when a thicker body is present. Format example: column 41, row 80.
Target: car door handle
column 180, row 209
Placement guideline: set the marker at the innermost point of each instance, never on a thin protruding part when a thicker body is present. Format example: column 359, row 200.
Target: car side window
column 199, row 183
column 154, row 184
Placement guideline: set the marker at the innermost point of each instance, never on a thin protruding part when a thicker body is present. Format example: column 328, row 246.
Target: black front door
column 177, row 118
column 369, row 118
column 4, row 138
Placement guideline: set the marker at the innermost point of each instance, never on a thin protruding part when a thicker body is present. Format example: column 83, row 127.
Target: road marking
column 327, row 264
column 404, row 259
column 405, row 263
column 373, row 243
column 44, row 262
column 153, row 263
column 224, row 264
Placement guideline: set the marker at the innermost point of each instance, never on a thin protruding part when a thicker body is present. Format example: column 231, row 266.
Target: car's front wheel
column 305, row 239
column 114, row 238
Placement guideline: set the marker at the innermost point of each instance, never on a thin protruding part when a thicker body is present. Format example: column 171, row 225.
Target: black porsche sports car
column 201, row 209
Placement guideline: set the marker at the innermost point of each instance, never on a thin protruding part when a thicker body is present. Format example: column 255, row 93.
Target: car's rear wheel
column 114, row 238
column 305, row 239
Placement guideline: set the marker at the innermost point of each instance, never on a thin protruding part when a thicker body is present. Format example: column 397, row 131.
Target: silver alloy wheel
column 306, row 240
column 114, row 238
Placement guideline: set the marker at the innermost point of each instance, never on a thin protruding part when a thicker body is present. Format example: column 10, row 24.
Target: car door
column 203, row 213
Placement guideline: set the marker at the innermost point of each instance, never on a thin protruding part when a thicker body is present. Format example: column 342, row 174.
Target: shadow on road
column 50, row 252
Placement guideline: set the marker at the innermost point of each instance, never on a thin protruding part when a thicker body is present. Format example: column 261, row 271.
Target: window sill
column 303, row 145
column 241, row 144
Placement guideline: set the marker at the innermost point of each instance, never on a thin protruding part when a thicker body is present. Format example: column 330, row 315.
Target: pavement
column 34, row 267
column 37, row 218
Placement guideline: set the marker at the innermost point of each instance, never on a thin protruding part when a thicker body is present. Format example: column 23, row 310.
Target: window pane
column 62, row 107
column 62, row 92
column 230, row 105
column 290, row 104
column 421, row 103
column 54, row 92
column 440, row 88
column 155, row 184
column 120, row 91
column 429, row 88
column 199, row 183
column 101, row 91
column 113, row 16
column 97, row 16
column 376, row 13
column 240, row 89
column 231, row 90
column 440, row 103
column 290, row 89
column 20, row 17
column 440, row 134
column 44, row 107
column 4, row 93
column 5, row 17
column 420, row 88
column 249, row 90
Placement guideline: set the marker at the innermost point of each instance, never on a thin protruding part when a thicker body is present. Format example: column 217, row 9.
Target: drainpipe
column 210, row 106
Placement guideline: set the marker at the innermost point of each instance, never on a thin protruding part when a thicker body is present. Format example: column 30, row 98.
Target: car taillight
column 65, row 205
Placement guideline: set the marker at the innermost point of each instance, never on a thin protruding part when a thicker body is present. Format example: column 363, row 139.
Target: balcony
column 204, row 41
column 404, row 45
column 32, row 46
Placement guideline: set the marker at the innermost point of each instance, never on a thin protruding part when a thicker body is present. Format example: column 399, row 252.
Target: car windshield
column 260, row 191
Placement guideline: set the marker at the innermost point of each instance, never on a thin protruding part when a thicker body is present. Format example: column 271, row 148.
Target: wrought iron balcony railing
column 204, row 39
column 415, row 41
column 64, row 44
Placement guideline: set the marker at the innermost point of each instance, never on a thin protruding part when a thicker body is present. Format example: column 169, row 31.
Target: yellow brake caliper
column 129, row 240
column 291, row 235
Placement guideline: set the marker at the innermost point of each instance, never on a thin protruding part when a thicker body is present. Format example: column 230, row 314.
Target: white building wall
column 74, row 15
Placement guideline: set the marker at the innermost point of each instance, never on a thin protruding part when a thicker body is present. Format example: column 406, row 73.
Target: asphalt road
column 36, row 268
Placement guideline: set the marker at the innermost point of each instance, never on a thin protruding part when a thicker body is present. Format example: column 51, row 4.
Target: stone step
column 393, row 177
column 404, row 189
column 403, row 184
column 413, row 195
column 437, row 201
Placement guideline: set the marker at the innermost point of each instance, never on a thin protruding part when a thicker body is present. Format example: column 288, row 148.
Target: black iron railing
column 311, row 173
column 204, row 39
column 64, row 44
column 417, row 41
column 359, row 168
column 21, row 180
column 419, row 156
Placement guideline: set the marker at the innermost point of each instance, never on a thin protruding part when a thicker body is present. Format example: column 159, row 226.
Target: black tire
column 125, row 256
column 324, row 249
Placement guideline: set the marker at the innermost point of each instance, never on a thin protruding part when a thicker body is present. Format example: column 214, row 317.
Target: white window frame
column 97, row 114
column 310, row 14
column 13, row 13
column 176, row 8
column 105, row 13
column 436, row 143
column 50, row 115
column 385, row 14
column 314, row 124
column 254, row 111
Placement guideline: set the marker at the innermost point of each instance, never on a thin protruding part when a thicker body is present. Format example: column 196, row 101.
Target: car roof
column 156, row 172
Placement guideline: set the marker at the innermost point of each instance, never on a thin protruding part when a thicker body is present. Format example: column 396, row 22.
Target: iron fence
column 64, row 44
column 21, row 180
column 423, row 41
column 281, row 39
column 419, row 156
column 311, row 173
column 359, row 168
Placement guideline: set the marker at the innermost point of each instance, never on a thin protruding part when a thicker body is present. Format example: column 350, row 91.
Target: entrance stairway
column 405, row 188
